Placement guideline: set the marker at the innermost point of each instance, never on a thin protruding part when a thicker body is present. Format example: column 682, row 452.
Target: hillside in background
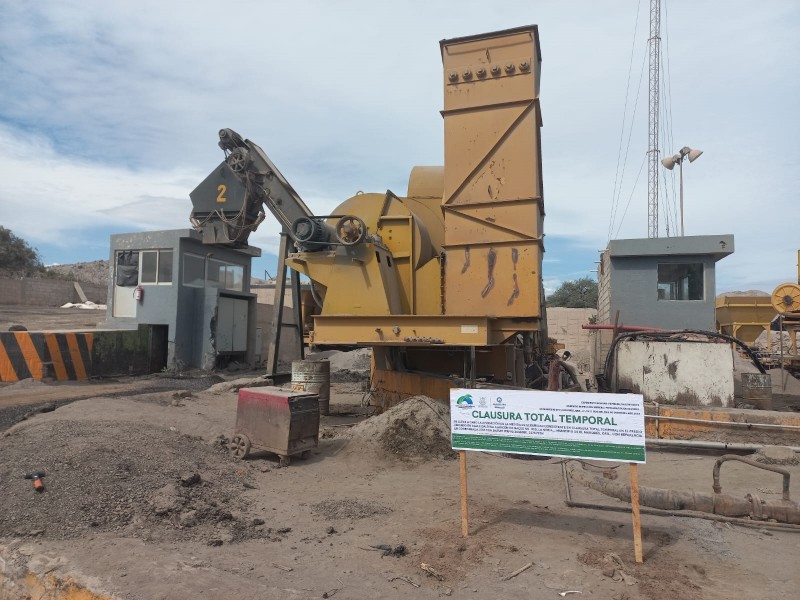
column 90, row 272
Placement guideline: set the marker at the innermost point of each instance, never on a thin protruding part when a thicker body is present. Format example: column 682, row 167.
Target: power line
column 614, row 196
column 635, row 183
column 630, row 135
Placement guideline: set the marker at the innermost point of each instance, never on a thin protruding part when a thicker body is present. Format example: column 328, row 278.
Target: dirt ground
column 47, row 318
column 143, row 502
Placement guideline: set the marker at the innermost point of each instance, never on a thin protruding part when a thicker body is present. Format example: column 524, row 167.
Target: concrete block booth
column 668, row 283
column 195, row 297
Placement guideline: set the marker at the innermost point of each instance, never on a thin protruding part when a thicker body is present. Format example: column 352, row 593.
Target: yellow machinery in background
column 744, row 317
column 786, row 301
column 453, row 264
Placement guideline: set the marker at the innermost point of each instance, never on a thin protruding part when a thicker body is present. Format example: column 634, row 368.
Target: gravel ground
column 10, row 415
column 137, row 480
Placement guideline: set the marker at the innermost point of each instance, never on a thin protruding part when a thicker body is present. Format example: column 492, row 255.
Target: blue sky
column 110, row 111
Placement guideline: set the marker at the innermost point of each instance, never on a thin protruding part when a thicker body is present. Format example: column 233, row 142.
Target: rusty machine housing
column 453, row 263
column 284, row 422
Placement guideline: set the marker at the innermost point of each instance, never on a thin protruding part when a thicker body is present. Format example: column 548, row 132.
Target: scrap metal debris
column 406, row 579
column 431, row 571
column 518, row 571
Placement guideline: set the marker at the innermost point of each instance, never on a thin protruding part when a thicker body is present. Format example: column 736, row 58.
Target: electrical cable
column 614, row 196
column 635, row 183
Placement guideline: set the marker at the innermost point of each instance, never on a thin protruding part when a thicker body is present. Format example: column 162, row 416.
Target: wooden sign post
column 462, row 458
column 637, row 523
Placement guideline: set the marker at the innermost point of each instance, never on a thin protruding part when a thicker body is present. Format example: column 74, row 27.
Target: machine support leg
column 472, row 367
column 297, row 309
column 277, row 307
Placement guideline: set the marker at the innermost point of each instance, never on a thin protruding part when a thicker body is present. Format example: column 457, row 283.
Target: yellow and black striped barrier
column 63, row 356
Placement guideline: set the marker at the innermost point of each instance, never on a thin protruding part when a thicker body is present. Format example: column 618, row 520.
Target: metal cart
column 285, row 422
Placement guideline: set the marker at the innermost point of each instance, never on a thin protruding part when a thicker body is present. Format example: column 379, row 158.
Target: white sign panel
column 572, row 425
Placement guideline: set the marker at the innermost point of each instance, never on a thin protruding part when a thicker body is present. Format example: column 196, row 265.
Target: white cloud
column 110, row 111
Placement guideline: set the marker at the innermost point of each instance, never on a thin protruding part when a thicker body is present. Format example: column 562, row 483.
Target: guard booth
column 196, row 296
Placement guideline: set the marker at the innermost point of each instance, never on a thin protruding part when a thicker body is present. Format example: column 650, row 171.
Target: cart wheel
column 285, row 461
column 239, row 446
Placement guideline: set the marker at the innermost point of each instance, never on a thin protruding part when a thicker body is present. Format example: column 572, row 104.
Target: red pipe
column 620, row 327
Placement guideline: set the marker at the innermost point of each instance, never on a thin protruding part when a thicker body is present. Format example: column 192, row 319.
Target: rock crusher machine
column 443, row 280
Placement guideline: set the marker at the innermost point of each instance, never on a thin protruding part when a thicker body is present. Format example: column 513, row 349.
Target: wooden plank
column 79, row 290
column 462, row 457
column 637, row 524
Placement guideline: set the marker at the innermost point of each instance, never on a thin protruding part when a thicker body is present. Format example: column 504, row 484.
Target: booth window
column 225, row 275
column 678, row 281
column 155, row 267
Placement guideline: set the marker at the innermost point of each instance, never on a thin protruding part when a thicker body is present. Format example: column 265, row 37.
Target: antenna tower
column 654, row 46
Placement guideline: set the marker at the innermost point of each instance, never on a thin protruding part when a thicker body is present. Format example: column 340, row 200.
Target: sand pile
column 139, row 480
column 770, row 341
column 417, row 429
column 346, row 366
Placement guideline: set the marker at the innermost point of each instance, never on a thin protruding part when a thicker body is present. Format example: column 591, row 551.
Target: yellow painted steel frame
column 417, row 330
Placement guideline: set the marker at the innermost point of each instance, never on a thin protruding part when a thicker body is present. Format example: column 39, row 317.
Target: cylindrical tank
column 757, row 390
column 313, row 376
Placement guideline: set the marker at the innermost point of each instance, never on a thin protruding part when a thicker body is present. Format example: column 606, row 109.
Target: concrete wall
column 564, row 325
column 70, row 356
column 687, row 373
column 47, row 292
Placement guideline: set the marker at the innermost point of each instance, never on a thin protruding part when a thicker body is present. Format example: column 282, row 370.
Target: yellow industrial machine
column 786, row 301
column 744, row 317
column 455, row 263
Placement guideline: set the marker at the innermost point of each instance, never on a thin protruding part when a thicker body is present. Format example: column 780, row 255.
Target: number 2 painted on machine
column 222, row 188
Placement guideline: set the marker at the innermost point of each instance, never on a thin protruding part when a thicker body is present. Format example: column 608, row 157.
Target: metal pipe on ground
column 705, row 445
column 669, row 513
column 603, row 326
column 784, row 511
column 726, row 423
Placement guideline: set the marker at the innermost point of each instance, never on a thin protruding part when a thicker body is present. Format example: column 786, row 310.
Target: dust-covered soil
column 417, row 429
column 141, row 503
column 134, row 479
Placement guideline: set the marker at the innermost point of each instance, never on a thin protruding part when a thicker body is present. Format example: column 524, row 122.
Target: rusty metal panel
column 493, row 204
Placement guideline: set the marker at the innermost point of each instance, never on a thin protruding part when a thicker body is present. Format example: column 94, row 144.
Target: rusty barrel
column 757, row 390
column 313, row 376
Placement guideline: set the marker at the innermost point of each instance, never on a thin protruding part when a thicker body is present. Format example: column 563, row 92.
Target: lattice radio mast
column 654, row 46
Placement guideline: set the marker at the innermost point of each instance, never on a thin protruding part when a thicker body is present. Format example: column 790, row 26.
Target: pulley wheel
column 238, row 159
column 305, row 229
column 786, row 298
column 239, row 446
column 350, row 230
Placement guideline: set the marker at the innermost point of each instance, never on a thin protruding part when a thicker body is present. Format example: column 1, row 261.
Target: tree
column 16, row 254
column 580, row 293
